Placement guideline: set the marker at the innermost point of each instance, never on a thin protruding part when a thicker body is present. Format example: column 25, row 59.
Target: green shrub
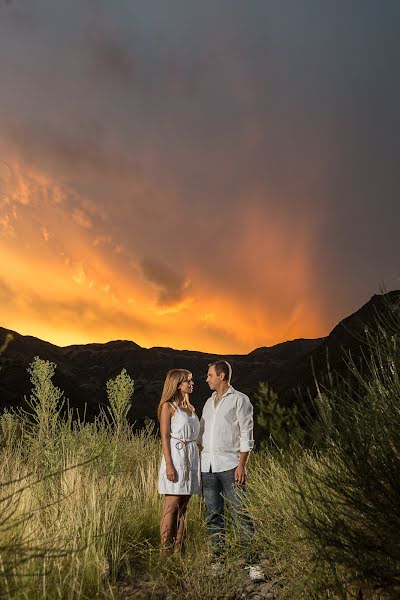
column 46, row 401
column 119, row 392
column 277, row 426
column 348, row 500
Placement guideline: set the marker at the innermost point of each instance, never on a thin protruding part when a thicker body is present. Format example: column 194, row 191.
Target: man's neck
column 221, row 391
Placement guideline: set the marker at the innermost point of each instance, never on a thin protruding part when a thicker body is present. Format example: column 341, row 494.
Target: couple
column 225, row 436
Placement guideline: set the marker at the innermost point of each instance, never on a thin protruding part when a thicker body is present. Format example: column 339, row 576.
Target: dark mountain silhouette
column 83, row 370
column 349, row 337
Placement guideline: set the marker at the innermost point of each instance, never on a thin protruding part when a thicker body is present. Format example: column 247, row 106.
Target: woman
column 179, row 475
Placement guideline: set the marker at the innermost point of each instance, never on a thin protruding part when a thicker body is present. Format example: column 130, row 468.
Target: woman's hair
column 171, row 393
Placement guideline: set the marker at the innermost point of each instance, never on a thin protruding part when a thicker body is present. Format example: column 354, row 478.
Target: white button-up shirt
column 226, row 430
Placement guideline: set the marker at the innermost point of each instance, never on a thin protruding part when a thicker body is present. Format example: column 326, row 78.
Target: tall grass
column 77, row 501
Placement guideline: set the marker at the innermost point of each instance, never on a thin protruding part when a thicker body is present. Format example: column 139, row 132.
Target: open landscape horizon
column 210, row 351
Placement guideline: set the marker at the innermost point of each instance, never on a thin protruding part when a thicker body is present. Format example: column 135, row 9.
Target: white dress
column 185, row 456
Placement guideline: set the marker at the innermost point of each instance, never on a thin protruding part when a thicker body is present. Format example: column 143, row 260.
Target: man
column 226, row 438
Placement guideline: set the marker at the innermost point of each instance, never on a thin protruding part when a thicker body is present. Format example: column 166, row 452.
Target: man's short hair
column 222, row 366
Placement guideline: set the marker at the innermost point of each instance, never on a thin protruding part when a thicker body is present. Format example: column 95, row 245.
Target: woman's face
column 186, row 387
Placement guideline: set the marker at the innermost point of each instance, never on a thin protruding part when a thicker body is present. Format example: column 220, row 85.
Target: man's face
column 214, row 380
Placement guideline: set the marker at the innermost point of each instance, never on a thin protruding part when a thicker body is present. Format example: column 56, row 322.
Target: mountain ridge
column 83, row 369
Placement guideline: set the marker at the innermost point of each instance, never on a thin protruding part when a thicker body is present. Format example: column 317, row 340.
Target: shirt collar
column 230, row 390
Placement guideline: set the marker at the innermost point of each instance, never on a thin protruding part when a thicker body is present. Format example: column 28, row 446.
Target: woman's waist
column 185, row 434
column 184, row 443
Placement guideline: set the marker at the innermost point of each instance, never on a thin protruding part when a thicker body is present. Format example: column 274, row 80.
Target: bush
column 119, row 392
column 348, row 500
column 277, row 426
column 46, row 401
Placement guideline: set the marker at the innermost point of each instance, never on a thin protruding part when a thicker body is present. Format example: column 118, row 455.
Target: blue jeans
column 218, row 488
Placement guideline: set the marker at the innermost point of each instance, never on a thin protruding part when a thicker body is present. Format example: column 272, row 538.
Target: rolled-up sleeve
column 245, row 419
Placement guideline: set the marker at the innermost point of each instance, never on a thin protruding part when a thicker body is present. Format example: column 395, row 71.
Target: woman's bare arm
column 165, row 429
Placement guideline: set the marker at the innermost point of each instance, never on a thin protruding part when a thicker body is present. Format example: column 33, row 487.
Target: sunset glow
column 67, row 280
column 216, row 191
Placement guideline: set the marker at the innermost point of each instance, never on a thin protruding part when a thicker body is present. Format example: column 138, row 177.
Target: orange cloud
column 81, row 218
column 68, row 279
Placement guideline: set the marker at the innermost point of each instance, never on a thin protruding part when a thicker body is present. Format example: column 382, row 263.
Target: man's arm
column 202, row 427
column 200, row 437
column 241, row 471
column 245, row 418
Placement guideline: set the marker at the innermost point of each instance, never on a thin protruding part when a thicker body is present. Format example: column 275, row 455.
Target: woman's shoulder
column 168, row 408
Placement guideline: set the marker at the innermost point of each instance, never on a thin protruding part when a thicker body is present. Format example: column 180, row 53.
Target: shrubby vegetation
column 349, row 497
column 278, row 426
column 79, row 508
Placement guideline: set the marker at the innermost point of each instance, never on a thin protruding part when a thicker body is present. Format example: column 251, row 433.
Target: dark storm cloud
column 80, row 147
column 172, row 285
column 112, row 60
column 203, row 125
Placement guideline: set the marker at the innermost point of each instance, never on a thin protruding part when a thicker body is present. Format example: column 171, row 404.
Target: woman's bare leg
column 181, row 526
column 169, row 523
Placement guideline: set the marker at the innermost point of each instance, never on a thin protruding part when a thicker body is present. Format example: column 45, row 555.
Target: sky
column 210, row 175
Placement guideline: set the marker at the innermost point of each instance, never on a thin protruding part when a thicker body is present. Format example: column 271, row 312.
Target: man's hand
column 170, row 472
column 240, row 474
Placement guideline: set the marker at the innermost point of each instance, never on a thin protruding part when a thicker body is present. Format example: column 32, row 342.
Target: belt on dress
column 182, row 444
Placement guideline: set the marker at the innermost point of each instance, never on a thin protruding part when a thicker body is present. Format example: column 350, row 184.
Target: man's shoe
column 255, row 572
